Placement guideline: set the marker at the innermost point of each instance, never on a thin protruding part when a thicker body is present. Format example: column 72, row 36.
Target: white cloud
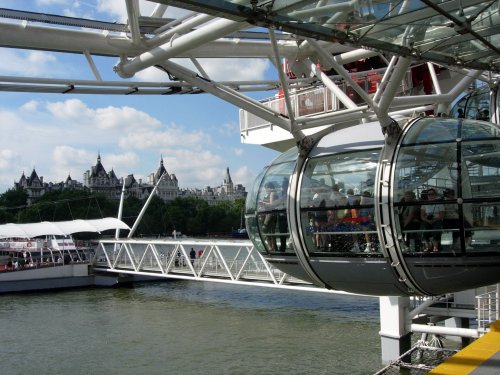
column 172, row 136
column 152, row 74
column 218, row 69
column 229, row 129
column 70, row 110
column 235, row 69
column 6, row 157
column 243, row 175
column 30, row 63
column 118, row 9
column 51, row 2
column 31, row 106
column 122, row 162
column 124, row 118
column 115, row 8
column 195, row 168
column 108, row 118
column 70, row 160
column 61, row 138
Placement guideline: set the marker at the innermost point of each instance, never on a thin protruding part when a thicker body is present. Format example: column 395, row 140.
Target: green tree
column 152, row 222
column 189, row 215
column 11, row 203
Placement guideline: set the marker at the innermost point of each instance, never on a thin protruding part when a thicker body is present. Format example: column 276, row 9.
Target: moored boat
column 44, row 255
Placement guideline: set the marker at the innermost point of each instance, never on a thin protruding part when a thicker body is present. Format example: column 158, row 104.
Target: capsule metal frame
column 390, row 267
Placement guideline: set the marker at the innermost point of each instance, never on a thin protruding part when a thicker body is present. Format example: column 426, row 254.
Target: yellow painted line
column 469, row 358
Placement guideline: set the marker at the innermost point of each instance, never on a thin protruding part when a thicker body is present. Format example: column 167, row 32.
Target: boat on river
column 40, row 256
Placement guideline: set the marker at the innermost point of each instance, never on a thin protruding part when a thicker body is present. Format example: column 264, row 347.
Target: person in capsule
column 269, row 225
column 432, row 216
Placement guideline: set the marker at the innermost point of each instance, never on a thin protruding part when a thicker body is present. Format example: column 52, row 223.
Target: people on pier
column 192, row 256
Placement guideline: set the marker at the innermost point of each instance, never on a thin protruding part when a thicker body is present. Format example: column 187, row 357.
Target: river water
column 188, row 327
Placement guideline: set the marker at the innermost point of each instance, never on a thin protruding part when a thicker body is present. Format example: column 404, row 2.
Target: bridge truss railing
column 488, row 307
column 215, row 260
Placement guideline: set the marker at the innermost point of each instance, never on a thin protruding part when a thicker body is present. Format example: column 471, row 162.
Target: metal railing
column 214, row 260
column 320, row 99
column 488, row 308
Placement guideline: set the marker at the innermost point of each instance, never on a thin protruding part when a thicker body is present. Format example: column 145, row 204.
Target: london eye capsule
column 413, row 214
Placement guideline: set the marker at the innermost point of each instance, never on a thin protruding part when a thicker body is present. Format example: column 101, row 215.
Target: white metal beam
column 17, row 35
column 229, row 95
column 182, row 44
column 133, row 14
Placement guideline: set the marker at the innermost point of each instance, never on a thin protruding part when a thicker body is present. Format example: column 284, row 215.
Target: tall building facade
column 97, row 180
column 168, row 187
column 32, row 185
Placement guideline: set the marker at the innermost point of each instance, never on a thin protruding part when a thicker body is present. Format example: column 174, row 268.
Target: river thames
column 188, row 327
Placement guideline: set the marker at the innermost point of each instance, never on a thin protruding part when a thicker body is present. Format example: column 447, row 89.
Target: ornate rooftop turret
column 161, row 171
column 34, row 180
column 112, row 175
column 227, row 185
column 98, row 170
column 23, row 180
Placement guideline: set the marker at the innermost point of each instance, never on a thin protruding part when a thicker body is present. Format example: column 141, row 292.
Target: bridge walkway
column 231, row 261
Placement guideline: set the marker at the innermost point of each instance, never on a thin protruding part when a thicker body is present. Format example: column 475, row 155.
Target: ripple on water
column 189, row 327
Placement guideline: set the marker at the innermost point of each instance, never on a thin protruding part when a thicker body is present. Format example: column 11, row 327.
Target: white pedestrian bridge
column 234, row 261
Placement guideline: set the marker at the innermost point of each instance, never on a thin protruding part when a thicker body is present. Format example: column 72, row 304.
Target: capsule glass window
column 337, row 205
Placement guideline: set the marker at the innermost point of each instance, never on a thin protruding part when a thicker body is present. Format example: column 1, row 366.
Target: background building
column 97, row 180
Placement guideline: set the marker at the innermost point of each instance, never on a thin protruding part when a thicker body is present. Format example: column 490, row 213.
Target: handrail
column 488, row 308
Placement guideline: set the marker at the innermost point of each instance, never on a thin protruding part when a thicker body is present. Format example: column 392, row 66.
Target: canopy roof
column 60, row 227
column 463, row 33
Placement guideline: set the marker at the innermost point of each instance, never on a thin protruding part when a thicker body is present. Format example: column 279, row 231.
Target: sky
column 59, row 135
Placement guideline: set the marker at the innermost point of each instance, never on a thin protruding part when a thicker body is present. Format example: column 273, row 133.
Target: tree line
column 186, row 215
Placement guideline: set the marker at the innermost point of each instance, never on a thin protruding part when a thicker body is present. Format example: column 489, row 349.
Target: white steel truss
column 292, row 31
column 220, row 261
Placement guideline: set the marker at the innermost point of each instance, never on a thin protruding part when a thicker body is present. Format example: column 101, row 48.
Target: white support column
column 385, row 78
column 200, row 68
column 159, row 10
column 143, row 210
column 394, row 333
column 133, row 14
column 387, row 97
column 343, row 73
column 92, row 65
column 330, row 85
column 179, row 26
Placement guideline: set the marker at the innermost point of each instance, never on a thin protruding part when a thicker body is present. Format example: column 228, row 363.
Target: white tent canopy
column 60, row 227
